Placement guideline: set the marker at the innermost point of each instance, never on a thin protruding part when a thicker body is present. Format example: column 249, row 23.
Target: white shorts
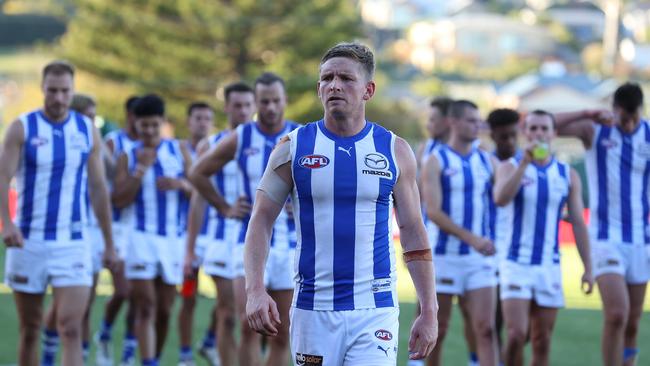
column 458, row 275
column 149, row 256
column 218, row 259
column 200, row 246
column 96, row 243
column 39, row 263
column 279, row 272
column 628, row 260
column 121, row 238
column 365, row 337
column 543, row 284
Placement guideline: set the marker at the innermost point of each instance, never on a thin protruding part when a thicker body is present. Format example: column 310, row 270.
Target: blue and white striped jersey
column 215, row 226
column 155, row 211
column 530, row 235
column 253, row 152
column 343, row 205
column 498, row 219
column 618, row 169
column 465, row 183
column 121, row 143
column 52, row 176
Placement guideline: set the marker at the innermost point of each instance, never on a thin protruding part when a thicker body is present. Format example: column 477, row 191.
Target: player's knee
column 541, row 344
column 69, row 327
column 145, row 309
column 443, row 328
column 484, row 329
column 617, row 317
column 227, row 319
column 631, row 329
column 30, row 331
column 516, row 336
column 280, row 341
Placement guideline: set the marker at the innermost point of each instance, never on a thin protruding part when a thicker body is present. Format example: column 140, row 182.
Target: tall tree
column 186, row 50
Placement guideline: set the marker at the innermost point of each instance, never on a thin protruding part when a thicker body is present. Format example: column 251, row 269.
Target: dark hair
column 502, row 117
column 457, row 108
column 442, row 104
column 269, row 78
column 197, row 105
column 629, row 97
column 130, row 103
column 149, row 105
column 81, row 101
column 355, row 51
column 543, row 113
column 238, row 87
column 58, row 67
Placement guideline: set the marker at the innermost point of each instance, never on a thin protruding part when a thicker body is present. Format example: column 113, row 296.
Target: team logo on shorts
column 18, row 279
column 378, row 165
column 384, row 335
column 303, row 359
column 314, row 161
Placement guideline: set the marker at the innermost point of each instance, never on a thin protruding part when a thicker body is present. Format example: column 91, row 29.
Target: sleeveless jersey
column 52, row 176
column 532, row 218
column 343, row 200
column 252, row 155
column 618, row 167
column 465, row 183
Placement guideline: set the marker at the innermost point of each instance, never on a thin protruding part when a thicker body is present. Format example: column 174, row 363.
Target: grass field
column 576, row 339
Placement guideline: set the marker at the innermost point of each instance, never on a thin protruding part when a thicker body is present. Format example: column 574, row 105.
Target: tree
column 188, row 50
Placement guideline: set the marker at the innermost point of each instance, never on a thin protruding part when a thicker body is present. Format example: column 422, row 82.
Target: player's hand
column 11, row 236
column 146, row 156
column 482, row 245
column 188, row 265
column 424, row 335
column 601, row 116
column 240, row 209
column 168, row 184
column 110, row 260
column 527, row 156
column 262, row 313
column 587, row 283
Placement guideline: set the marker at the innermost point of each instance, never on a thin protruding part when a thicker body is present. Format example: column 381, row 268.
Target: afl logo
column 314, row 161
column 384, row 335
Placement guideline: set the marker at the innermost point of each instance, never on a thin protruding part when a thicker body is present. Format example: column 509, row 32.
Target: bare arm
column 412, row 231
column 185, row 184
column 209, row 164
column 414, row 238
column 99, row 197
column 274, row 189
column 196, row 213
column 508, row 181
column 126, row 185
column 576, row 209
column 577, row 124
column 433, row 201
column 9, row 159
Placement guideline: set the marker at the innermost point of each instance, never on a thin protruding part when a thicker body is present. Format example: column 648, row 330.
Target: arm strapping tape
column 271, row 183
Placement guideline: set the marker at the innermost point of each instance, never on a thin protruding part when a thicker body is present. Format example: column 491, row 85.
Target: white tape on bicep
column 271, row 183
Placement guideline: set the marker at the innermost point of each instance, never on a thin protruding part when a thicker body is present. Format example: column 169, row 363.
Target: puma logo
column 385, row 350
column 346, row 151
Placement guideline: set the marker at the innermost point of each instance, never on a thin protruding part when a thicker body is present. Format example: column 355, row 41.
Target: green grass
column 576, row 339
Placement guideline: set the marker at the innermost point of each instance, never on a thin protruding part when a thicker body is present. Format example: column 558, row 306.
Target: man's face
column 344, row 87
column 505, row 139
column 148, row 129
column 437, row 125
column 628, row 121
column 200, row 121
column 539, row 128
column 240, row 107
column 90, row 112
column 271, row 101
column 58, row 91
column 467, row 127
